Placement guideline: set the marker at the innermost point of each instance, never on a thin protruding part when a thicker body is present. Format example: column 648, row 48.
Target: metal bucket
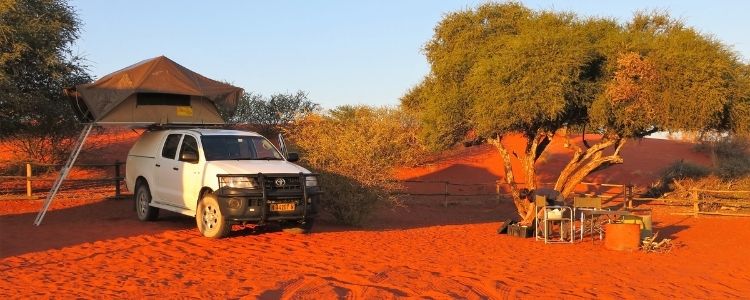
column 622, row 236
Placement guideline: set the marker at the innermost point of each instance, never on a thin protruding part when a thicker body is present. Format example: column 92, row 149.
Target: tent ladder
column 64, row 172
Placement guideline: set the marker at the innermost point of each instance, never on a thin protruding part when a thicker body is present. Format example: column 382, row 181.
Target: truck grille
column 283, row 183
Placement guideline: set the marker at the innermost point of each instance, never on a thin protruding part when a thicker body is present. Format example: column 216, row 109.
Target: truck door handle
column 175, row 168
column 158, row 165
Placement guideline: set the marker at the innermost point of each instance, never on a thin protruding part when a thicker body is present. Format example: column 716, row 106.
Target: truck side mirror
column 190, row 157
column 292, row 157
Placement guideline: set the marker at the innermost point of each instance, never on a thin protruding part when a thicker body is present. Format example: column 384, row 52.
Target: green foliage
column 670, row 77
column 356, row 148
column 503, row 68
column 739, row 112
column 268, row 114
column 36, row 63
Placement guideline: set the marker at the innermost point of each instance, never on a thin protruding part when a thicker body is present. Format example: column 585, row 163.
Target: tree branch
column 586, row 169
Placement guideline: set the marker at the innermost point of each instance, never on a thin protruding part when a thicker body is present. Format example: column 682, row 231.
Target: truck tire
column 211, row 222
column 142, row 199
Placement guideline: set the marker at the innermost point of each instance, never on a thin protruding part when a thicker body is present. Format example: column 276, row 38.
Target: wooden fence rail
column 698, row 197
column 445, row 190
column 624, row 191
column 30, row 177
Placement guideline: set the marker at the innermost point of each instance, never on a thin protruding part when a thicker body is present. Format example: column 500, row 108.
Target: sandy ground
column 92, row 246
column 99, row 250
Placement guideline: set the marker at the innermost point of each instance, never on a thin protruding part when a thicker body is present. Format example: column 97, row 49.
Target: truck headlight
column 311, row 181
column 238, row 182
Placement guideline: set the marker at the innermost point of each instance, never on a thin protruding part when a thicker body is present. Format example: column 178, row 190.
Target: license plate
column 282, row 206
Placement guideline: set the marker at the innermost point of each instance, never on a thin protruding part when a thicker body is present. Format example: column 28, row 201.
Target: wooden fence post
column 445, row 196
column 28, row 180
column 497, row 191
column 117, row 178
column 629, row 195
column 694, row 196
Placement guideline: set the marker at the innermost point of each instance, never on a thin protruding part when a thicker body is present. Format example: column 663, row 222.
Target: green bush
column 678, row 170
column 731, row 154
column 683, row 170
column 348, row 201
column 356, row 148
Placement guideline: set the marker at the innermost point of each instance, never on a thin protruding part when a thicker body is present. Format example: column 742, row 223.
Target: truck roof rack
column 185, row 126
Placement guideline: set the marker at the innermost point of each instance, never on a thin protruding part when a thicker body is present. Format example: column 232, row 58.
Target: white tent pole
column 64, row 172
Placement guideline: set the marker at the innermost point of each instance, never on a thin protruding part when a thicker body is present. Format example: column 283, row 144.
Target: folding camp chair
column 539, row 203
column 587, row 203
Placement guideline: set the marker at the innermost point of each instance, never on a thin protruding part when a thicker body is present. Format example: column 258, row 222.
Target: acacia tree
column 504, row 69
column 36, row 63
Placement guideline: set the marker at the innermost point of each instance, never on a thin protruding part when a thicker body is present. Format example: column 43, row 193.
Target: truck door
column 165, row 189
column 190, row 172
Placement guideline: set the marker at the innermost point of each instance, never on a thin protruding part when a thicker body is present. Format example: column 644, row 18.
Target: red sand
column 93, row 247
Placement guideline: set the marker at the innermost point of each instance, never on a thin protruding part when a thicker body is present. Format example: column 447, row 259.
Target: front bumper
column 256, row 205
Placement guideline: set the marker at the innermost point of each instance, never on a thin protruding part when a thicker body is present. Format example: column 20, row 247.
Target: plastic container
column 622, row 236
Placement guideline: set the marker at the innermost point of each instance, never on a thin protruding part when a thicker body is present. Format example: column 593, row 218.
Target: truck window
column 233, row 147
column 170, row 146
column 264, row 149
column 189, row 145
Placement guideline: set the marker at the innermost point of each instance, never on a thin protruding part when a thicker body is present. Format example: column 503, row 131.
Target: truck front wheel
column 211, row 222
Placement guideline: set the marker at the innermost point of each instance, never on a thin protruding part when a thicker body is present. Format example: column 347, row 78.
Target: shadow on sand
column 98, row 221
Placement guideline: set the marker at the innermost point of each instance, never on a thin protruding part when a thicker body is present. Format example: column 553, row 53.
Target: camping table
column 595, row 214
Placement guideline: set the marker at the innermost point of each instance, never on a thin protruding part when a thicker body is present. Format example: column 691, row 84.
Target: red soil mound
column 93, row 247
column 643, row 160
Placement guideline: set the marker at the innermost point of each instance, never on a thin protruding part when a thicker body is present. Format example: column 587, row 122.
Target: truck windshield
column 235, row 147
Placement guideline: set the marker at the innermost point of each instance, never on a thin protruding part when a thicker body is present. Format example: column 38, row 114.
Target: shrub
column 348, row 201
column 356, row 148
column 731, row 154
column 682, row 170
column 678, row 170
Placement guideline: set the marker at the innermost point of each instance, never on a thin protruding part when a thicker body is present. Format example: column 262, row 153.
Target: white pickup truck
column 220, row 177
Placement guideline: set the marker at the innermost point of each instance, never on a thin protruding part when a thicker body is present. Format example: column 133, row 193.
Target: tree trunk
column 509, row 178
column 535, row 146
column 581, row 165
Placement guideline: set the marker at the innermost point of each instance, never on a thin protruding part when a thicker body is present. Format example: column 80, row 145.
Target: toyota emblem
column 280, row 182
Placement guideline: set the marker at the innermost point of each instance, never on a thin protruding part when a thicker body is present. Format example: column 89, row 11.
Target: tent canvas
column 153, row 91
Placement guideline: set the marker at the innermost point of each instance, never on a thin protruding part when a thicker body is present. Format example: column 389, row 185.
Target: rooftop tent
column 153, row 91
column 156, row 91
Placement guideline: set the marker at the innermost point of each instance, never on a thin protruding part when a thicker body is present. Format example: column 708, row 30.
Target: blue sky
column 340, row 52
